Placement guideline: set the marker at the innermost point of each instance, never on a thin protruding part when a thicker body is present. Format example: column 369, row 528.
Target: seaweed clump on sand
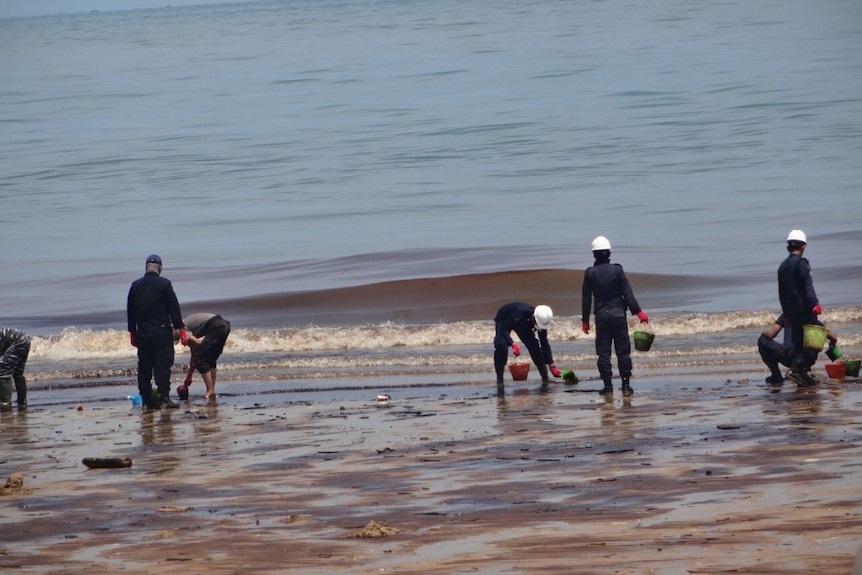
column 375, row 529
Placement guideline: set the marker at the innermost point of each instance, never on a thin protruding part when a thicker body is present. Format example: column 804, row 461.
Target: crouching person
column 774, row 353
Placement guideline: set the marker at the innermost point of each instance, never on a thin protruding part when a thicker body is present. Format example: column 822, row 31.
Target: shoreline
column 694, row 473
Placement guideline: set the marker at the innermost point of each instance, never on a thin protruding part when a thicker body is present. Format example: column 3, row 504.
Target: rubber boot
column 166, row 402
column 799, row 372
column 21, row 391
column 501, row 388
column 775, row 377
column 608, row 389
column 150, row 397
column 543, row 372
column 6, row 387
column 627, row 387
column 802, row 378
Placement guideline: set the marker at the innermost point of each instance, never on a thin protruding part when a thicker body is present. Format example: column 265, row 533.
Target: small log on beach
column 106, row 462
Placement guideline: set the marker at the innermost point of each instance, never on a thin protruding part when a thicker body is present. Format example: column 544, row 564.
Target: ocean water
column 348, row 178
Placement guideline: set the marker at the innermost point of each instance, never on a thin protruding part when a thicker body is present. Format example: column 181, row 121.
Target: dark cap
column 154, row 259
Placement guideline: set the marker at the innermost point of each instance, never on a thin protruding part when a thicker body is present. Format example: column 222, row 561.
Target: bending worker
column 207, row 334
column 531, row 325
column 14, row 351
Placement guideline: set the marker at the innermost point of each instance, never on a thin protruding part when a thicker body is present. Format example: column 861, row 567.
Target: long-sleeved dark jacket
column 14, row 350
column 608, row 284
column 795, row 286
column 153, row 303
column 514, row 315
column 10, row 336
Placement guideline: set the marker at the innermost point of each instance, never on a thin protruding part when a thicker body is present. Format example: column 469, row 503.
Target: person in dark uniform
column 14, row 350
column 531, row 325
column 606, row 283
column 798, row 302
column 207, row 336
column 773, row 353
column 155, row 323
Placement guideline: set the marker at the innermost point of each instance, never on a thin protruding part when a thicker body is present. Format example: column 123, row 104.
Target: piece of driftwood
column 107, row 462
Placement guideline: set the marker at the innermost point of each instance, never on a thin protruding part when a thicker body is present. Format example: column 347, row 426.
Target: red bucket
column 519, row 371
column 836, row 370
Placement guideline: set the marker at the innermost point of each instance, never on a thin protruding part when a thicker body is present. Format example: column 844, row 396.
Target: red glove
column 516, row 350
column 643, row 317
column 555, row 372
column 184, row 337
column 585, row 327
column 133, row 339
column 188, row 380
column 817, row 310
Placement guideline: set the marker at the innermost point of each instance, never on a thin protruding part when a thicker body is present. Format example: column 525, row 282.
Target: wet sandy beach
column 693, row 474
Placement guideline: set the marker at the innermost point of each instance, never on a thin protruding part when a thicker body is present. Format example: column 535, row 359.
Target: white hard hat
column 601, row 243
column 543, row 315
column 797, row 236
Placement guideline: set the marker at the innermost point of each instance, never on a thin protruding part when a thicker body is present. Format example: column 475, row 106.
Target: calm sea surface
column 293, row 147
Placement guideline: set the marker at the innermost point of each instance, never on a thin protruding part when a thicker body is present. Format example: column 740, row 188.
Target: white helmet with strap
column 601, row 243
column 797, row 236
column 543, row 315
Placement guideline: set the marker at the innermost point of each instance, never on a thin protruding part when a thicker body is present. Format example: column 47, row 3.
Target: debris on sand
column 174, row 509
column 14, row 485
column 292, row 519
column 107, row 462
column 375, row 529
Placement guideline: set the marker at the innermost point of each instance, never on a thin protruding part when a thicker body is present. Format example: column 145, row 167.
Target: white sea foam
column 734, row 332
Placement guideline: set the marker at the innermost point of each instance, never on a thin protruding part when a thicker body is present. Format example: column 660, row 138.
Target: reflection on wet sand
column 713, row 476
column 157, row 428
column 525, row 400
column 13, row 427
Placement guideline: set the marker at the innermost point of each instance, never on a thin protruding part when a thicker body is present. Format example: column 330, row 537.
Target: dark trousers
column 155, row 359
column 215, row 335
column 801, row 359
column 773, row 353
column 613, row 331
column 530, row 341
column 13, row 362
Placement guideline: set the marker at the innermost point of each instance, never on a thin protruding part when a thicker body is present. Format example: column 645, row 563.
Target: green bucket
column 853, row 367
column 815, row 336
column 643, row 340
